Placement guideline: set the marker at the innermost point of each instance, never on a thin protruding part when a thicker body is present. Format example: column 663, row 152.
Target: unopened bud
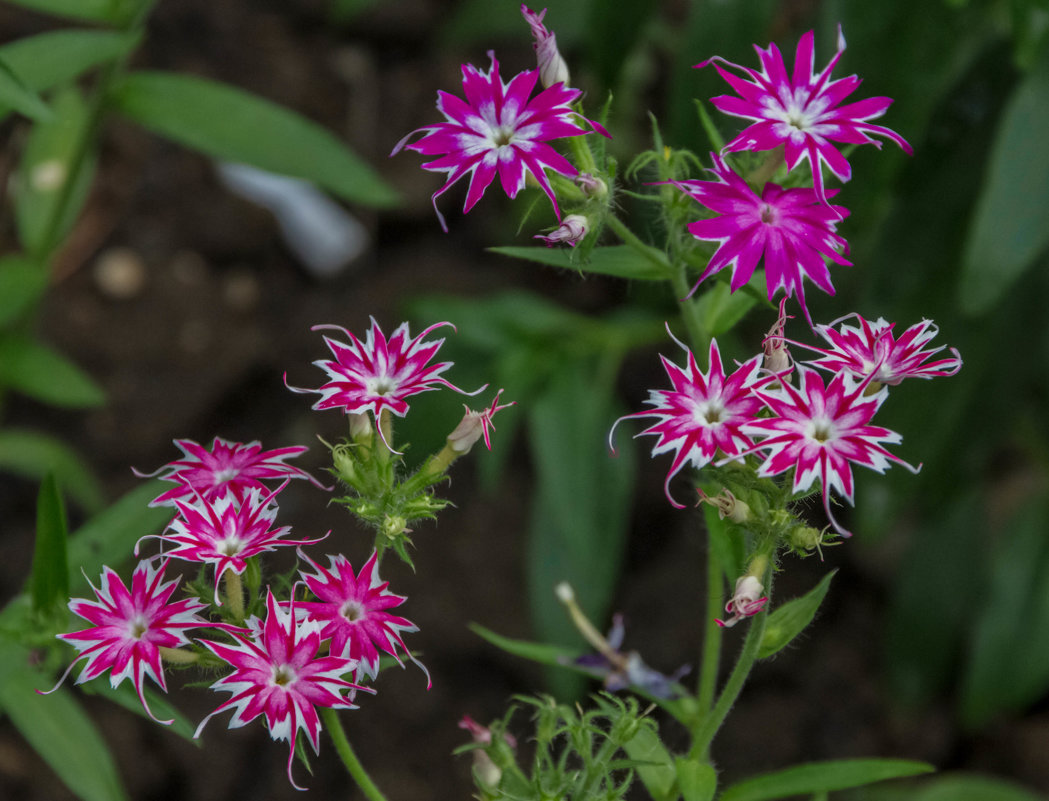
column 361, row 429
column 777, row 357
column 552, row 68
column 591, row 185
column 570, row 232
column 475, row 425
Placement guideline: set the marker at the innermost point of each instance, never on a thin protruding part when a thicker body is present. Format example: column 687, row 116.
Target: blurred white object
column 321, row 234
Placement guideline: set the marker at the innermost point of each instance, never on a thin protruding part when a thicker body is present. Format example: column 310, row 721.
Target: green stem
column 711, row 654
column 703, row 734
column 649, row 253
column 581, row 150
column 234, row 593
column 349, row 756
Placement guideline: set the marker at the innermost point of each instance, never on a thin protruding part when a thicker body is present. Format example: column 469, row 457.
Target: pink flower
column 379, row 374
column 497, row 129
column 570, row 232
column 129, row 628
column 226, row 532
column 802, row 112
column 820, row 431
column 703, row 414
column 789, row 228
column 746, row 601
column 353, row 611
column 552, row 68
column 871, row 349
column 476, row 425
column 277, row 673
column 228, row 466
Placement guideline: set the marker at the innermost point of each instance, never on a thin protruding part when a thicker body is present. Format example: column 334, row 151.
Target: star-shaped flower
column 819, row 431
column 226, row 532
column 277, row 673
column 379, row 374
column 871, row 349
column 802, row 112
column 130, row 626
column 703, row 414
column 498, row 130
column 353, row 611
column 790, row 229
column 229, row 466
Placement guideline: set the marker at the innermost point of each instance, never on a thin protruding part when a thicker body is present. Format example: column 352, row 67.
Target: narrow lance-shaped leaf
column 788, row 620
column 698, row 781
column 232, row 125
column 621, row 261
column 820, row 777
column 22, row 284
column 14, row 93
column 49, row 584
column 40, row 372
column 33, row 455
column 112, row 11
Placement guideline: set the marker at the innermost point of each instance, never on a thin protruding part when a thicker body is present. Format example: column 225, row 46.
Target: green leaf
column 57, row 57
column 49, row 583
column 1008, row 230
column 109, row 538
column 787, row 621
column 819, row 777
column 726, row 544
column 720, row 308
column 230, row 124
column 621, row 261
column 544, row 654
column 655, row 768
column 57, row 728
column 22, row 284
column 125, row 695
column 15, row 93
column 34, row 455
column 40, row 372
column 697, row 781
column 112, row 11
column 45, row 168
column 974, row 788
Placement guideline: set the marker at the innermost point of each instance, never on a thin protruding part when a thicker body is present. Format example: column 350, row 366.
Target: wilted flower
column 789, row 228
column 498, row 130
column 620, row 670
column 129, row 628
column 571, row 232
column 802, row 112
column 746, row 601
column 475, row 425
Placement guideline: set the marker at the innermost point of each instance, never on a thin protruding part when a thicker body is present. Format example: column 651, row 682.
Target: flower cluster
column 288, row 656
column 813, row 431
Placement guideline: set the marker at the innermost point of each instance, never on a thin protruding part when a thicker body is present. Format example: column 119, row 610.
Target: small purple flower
column 789, row 228
column 498, row 130
column 229, row 466
column 353, row 612
column 130, row 626
column 379, row 374
column 802, row 112
column 620, row 670
column 871, row 349
column 277, row 673
column 703, row 414
column 819, row 431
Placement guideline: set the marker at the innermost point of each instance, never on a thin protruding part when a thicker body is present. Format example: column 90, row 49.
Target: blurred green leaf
column 1009, row 662
column 1008, row 231
column 655, row 767
column 126, row 696
column 720, row 308
column 34, row 455
column 44, row 170
column 109, row 538
column 483, row 21
column 614, row 29
column 230, row 124
column 973, row 788
column 57, row 728
column 49, row 582
column 543, row 653
column 112, row 11
column 819, row 777
column 726, row 544
column 788, row 620
column 22, row 284
column 621, row 261
column 42, row 373
column 54, row 58
column 698, row 781
column 15, row 93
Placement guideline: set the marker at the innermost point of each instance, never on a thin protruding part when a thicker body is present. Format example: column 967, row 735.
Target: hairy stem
column 349, row 756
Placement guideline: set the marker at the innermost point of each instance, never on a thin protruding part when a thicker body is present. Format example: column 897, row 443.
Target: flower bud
column 746, row 601
column 728, row 505
column 777, row 357
column 570, row 232
column 591, row 185
column 552, row 68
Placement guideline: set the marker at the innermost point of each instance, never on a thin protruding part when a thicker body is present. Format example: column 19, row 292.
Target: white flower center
column 502, row 136
column 137, row 627
column 352, row 611
column 381, row 385
column 283, row 675
column 231, row 546
column 821, row 430
column 228, row 474
column 709, row 413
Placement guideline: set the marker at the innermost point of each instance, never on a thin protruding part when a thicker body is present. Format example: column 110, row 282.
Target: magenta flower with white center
column 277, row 673
column 497, row 130
column 703, row 414
column 871, row 349
column 229, row 466
column 788, row 228
column 226, row 532
column 354, row 612
column 130, row 626
column 802, row 112
column 379, row 374
column 819, row 431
